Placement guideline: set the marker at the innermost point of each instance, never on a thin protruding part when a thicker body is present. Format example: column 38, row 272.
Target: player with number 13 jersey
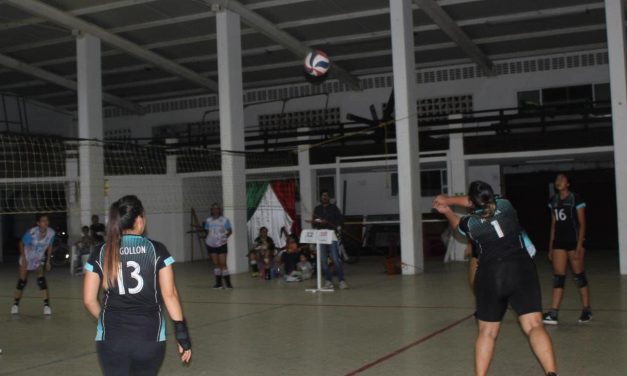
column 136, row 276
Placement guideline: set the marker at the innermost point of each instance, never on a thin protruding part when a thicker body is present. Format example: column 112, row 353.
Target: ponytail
column 482, row 197
column 122, row 215
column 112, row 248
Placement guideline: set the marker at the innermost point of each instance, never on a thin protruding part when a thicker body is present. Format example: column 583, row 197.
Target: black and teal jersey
column 565, row 213
column 494, row 237
column 132, row 308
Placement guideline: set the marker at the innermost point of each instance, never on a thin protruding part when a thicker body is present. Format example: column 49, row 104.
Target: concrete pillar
column 171, row 159
column 72, row 199
column 91, row 156
column 306, row 183
column 458, row 166
column 458, row 182
column 614, row 18
column 232, row 135
column 409, row 195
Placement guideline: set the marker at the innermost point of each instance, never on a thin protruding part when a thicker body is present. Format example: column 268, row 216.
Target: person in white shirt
column 218, row 229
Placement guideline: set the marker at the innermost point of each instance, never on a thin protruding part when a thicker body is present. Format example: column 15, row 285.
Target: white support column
column 74, row 223
column 614, row 15
column 407, row 136
column 306, row 183
column 91, row 156
column 459, row 166
column 458, row 176
column 232, row 135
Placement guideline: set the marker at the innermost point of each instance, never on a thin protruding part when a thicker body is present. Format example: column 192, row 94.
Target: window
column 602, row 92
column 529, row 99
column 567, row 95
column 432, row 183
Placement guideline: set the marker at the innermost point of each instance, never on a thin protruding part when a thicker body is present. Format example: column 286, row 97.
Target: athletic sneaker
column 550, row 318
column 343, row 285
column 328, row 285
column 15, row 309
column 586, row 316
column 47, row 310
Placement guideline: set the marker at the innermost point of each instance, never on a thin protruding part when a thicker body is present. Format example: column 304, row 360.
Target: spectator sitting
column 304, row 267
column 290, row 259
column 263, row 249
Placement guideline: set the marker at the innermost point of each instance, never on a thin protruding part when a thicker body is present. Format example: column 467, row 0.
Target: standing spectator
column 328, row 216
column 97, row 230
column 83, row 247
column 218, row 229
column 35, row 246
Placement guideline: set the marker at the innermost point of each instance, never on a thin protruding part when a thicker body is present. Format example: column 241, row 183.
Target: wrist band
column 182, row 334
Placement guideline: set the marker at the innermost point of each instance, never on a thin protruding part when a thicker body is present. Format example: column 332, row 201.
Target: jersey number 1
column 134, row 274
column 497, row 228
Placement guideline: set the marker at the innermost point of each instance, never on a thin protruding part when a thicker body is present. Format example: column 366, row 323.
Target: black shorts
column 567, row 245
column 137, row 358
column 509, row 281
column 217, row 250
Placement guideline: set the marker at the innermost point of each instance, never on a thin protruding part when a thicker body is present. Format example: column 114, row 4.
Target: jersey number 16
column 134, row 274
column 560, row 214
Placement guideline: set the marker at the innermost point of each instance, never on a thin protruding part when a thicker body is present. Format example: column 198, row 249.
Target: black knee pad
column 581, row 280
column 21, row 283
column 41, row 282
column 559, row 280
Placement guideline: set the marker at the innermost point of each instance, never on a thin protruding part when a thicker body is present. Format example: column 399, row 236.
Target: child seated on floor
column 262, row 249
column 304, row 267
column 290, row 257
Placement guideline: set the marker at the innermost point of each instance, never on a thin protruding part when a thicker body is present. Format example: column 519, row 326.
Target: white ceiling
column 354, row 33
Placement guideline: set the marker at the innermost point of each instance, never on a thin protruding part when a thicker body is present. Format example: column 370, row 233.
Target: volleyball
column 317, row 63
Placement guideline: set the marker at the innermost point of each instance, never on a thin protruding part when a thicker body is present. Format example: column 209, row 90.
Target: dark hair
column 482, row 197
column 567, row 176
column 323, row 192
column 263, row 228
column 122, row 215
column 39, row 216
column 85, row 228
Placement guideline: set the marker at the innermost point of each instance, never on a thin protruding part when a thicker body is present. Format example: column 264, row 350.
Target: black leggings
column 122, row 358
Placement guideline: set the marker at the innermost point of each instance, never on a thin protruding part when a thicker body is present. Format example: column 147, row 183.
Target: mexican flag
column 271, row 205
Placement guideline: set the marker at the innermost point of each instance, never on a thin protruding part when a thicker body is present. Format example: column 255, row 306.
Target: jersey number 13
column 134, row 275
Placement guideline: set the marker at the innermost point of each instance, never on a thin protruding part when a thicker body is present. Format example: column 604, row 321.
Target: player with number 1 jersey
column 506, row 274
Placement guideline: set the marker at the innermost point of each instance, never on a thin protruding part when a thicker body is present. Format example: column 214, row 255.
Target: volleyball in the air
column 317, row 63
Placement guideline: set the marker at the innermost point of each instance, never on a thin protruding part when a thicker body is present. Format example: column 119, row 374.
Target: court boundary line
column 407, row 347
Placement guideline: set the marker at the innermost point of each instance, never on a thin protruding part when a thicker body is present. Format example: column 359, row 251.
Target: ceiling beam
column 379, row 70
column 76, row 12
column 272, row 31
column 352, row 56
column 490, row 20
column 136, row 27
column 455, row 32
column 19, row 66
column 66, row 20
column 334, row 40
